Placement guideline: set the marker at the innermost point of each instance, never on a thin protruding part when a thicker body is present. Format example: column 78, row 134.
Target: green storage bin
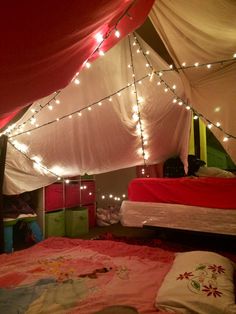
column 76, row 221
column 55, row 224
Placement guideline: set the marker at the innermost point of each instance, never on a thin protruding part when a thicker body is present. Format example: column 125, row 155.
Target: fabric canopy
column 204, row 32
column 44, row 43
column 96, row 131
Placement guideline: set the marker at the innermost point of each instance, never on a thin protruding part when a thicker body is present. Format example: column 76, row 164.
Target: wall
column 115, row 183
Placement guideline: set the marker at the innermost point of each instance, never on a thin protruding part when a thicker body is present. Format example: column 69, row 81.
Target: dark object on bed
column 174, row 168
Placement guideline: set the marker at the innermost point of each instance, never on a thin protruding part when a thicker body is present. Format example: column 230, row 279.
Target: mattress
column 205, row 192
column 176, row 216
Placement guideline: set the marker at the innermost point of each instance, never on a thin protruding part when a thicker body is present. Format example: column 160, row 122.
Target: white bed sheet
column 178, row 216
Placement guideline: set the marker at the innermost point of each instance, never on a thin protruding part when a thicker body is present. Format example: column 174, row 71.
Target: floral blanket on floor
column 61, row 275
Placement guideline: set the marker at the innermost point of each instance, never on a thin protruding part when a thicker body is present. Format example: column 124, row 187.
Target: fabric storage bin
column 72, row 194
column 53, row 197
column 76, row 221
column 55, row 224
column 8, row 235
column 91, row 215
column 87, row 192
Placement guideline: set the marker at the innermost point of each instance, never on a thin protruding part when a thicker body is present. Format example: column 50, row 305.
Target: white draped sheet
column 103, row 139
column 204, row 32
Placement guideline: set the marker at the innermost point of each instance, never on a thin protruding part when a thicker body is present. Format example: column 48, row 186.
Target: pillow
column 198, row 282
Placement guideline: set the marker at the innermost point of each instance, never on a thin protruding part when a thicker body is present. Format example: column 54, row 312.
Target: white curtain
column 104, row 138
column 205, row 32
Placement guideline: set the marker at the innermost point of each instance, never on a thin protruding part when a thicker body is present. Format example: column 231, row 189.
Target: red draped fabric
column 44, row 43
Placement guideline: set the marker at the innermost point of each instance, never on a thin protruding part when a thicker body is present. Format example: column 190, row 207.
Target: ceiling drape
column 204, row 32
column 90, row 127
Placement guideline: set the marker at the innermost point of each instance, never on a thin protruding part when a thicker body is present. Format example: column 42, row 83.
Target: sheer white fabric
column 203, row 31
column 102, row 139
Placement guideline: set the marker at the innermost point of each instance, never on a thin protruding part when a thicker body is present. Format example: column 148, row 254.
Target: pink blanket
column 61, row 275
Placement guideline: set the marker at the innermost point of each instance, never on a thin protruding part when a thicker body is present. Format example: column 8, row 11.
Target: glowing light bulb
column 147, row 52
column 188, row 107
column 140, row 99
column 67, row 181
column 117, row 33
column 110, row 196
column 138, row 50
column 57, row 101
column 77, row 81
column 195, row 117
column 89, row 108
column 99, row 37
column 110, row 99
column 101, row 53
column 103, row 197
column 32, row 121
column 119, row 94
column 135, row 117
column 33, row 110
column 225, row 139
column 158, row 83
column 146, row 156
column 79, row 114
column 123, row 195
column 160, row 73
column 218, row 124
column 184, row 64
column 174, row 87
column 209, row 66
column 129, row 66
column 180, row 103
column 135, row 108
column 209, row 126
column 171, row 66
column 100, row 103
column 174, row 100
column 50, row 107
column 147, row 65
column 234, row 55
column 166, row 90
column 196, row 64
column 70, row 116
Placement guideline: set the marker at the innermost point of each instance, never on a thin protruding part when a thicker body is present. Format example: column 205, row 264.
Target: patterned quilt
column 61, row 275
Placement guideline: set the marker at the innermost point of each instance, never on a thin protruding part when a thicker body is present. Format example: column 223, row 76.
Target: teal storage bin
column 76, row 221
column 55, row 224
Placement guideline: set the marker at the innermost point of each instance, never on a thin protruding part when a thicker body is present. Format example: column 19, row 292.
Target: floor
column 167, row 238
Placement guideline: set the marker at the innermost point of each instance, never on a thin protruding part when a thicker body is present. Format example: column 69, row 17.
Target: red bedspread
column 205, row 192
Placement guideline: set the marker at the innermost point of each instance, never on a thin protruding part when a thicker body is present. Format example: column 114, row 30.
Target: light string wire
column 136, row 81
column 161, row 80
column 179, row 99
column 198, row 65
column 105, row 37
column 80, row 110
column 159, row 73
column 35, row 162
column 137, row 102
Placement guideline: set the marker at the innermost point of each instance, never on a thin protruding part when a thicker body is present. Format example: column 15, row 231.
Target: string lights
column 136, row 112
column 178, row 99
column 136, row 116
column 110, row 196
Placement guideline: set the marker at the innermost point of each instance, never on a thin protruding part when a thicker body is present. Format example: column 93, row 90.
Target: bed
column 62, row 275
column 195, row 204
